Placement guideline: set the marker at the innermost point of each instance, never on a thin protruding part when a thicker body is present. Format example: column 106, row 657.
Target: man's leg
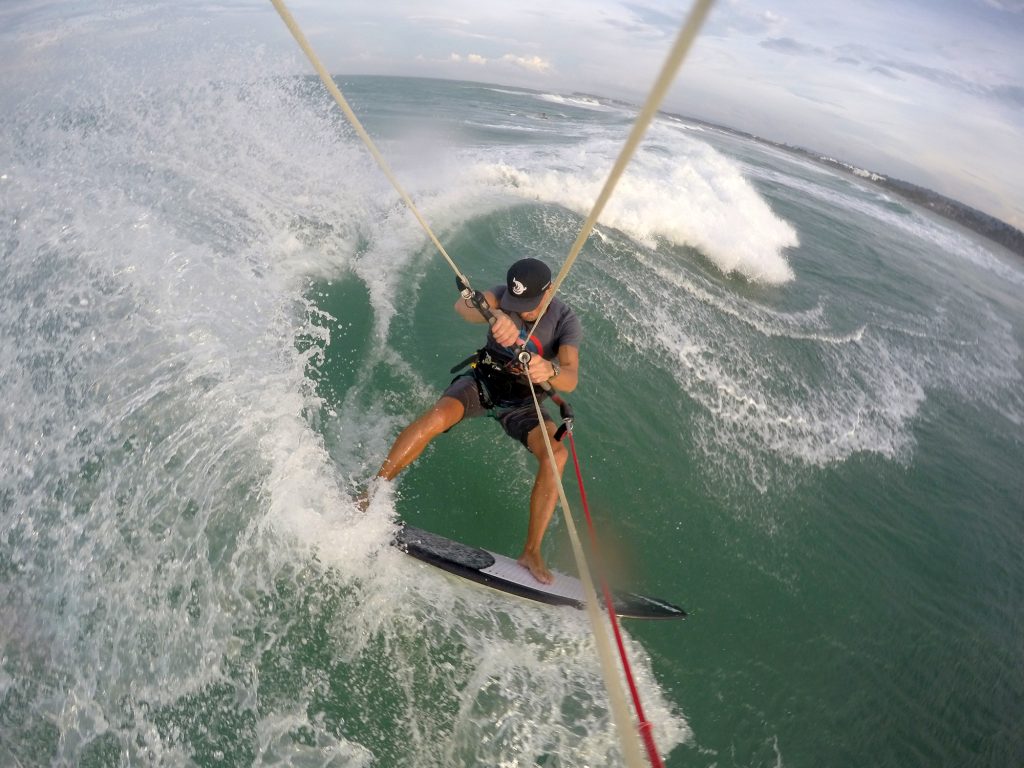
column 445, row 414
column 542, row 499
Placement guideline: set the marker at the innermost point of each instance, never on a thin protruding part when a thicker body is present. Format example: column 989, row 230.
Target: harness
column 502, row 387
column 500, row 382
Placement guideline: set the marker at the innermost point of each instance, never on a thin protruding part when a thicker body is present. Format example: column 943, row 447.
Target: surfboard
column 506, row 575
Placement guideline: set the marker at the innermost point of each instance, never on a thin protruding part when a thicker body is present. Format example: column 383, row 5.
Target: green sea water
column 800, row 416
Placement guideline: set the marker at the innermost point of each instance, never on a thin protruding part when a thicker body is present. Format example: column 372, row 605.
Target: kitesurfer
column 497, row 385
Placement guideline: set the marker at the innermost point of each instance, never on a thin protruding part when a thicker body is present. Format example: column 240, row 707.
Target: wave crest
column 689, row 196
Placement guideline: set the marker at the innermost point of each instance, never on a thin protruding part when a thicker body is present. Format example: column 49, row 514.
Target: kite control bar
column 480, row 303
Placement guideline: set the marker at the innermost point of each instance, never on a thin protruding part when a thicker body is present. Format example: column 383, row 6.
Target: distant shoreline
column 994, row 229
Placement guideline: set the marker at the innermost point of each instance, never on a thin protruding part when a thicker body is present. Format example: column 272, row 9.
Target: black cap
column 526, row 281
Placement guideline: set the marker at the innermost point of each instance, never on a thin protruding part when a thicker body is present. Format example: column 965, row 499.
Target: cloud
column 901, row 69
column 888, row 73
column 790, row 46
column 857, row 51
column 469, row 58
column 628, row 26
column 652, row 17
column 943, row 77
column 1009, row 6
column 1011, row 94
column 438, row 21
column 532, row 63
column 741, row 17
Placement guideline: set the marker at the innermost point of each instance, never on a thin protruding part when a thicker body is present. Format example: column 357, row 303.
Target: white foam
column 688, row 195
column 793, row 386
column 583, row 102
column 277, row 744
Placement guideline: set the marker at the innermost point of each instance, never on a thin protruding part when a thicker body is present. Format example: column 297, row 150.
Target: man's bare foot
column 535, row 565
column 363, row 500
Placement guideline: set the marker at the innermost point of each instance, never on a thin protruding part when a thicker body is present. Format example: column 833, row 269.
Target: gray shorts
column 517, row 421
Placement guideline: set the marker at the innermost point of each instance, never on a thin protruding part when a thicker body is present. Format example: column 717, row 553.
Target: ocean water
column 801, row 416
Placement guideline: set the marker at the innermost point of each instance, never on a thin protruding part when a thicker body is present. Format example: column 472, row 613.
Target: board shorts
column 517, row 421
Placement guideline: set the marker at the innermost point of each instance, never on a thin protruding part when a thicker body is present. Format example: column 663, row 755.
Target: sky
column 930, row 91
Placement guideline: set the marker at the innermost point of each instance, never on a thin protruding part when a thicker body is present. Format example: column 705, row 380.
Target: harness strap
column 471, row 359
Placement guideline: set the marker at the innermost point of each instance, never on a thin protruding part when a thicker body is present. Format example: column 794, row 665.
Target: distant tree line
column 971, row 218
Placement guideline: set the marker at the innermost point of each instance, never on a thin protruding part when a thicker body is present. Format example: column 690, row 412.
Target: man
column 497, row 385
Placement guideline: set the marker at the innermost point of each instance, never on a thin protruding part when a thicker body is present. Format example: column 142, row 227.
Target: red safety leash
column 646, row 728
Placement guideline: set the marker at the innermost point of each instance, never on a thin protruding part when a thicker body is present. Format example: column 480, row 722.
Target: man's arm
column 569, row 375
column 471, row 314
column 504, row 330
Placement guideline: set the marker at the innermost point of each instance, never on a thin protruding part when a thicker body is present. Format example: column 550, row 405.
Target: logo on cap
column 517, row 287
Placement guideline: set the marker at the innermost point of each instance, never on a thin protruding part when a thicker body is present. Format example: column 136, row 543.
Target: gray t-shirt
column 558, row 326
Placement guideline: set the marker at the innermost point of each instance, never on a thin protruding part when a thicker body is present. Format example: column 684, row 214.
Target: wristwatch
column 556, row 368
